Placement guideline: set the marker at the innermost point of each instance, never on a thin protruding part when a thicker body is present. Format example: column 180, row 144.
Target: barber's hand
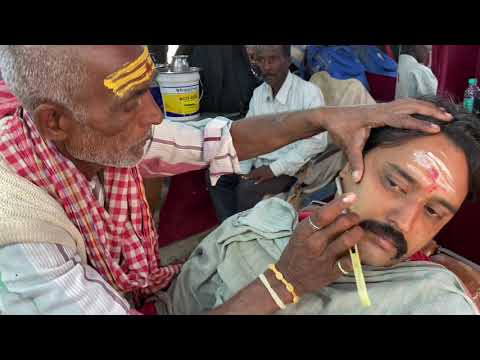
column 309, row 262
column 350, row 127
column 261, row 174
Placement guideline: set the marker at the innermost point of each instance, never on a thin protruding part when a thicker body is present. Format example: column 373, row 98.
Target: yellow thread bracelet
column 281, row 278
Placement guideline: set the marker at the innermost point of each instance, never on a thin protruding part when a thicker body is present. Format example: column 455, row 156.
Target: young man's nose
column 403, row 217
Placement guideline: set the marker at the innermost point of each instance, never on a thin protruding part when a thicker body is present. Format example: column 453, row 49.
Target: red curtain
column 461, row 233
column 453, row 65
column 188, row 209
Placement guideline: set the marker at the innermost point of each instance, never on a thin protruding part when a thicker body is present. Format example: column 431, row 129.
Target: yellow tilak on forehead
column 131, row 74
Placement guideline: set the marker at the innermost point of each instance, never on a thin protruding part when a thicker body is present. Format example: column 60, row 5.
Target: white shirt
column 295, row 94
column 414, row 79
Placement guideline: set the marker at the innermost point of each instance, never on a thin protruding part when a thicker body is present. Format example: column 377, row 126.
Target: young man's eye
column 393, row 185
column 431, row 212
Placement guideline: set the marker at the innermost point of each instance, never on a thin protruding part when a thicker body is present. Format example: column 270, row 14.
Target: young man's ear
column 52, row 122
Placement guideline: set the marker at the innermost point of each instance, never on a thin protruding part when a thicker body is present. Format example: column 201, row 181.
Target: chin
column 128, row 161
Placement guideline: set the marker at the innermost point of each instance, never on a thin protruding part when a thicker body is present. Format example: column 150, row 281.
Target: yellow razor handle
column 357, row 265
column 359, row 278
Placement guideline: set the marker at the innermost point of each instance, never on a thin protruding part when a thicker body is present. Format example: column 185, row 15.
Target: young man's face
column 407, row 194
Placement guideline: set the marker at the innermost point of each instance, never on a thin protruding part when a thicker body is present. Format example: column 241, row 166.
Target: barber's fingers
column 325, row 215
column 320, row 240
column 345, row 263
column 341, row 224
column 344, row 242
column 405, row 121
column 415, row 106
column 354, row 153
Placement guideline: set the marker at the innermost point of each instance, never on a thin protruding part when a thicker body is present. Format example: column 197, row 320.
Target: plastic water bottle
column 471, row 93
column 476, row 103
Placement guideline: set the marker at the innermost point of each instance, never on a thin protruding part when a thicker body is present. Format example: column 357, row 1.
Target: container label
column 181, row 101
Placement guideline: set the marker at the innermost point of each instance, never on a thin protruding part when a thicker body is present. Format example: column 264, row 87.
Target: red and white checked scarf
column 121, row 243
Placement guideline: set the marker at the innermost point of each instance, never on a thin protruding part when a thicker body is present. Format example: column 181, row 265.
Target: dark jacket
column 227, row 79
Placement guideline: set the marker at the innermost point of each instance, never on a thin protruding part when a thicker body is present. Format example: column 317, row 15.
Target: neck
column 86, row 168
column 276, row 87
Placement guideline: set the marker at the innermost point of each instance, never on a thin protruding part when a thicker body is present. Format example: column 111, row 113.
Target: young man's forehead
column 444, row 155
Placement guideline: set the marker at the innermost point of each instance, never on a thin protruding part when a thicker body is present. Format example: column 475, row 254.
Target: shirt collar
column 283, row 92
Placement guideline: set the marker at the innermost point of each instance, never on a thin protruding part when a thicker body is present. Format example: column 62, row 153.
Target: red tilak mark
column 434, row 175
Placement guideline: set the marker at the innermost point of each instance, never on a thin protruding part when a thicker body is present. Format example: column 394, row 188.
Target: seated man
column 272, row 173
column 414, row 75
column 412, row 186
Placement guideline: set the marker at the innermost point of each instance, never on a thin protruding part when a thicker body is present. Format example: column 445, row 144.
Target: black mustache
column 388, row 232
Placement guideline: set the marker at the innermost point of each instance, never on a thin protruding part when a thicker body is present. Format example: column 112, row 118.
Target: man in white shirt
column 274, row 172
column 414, row 75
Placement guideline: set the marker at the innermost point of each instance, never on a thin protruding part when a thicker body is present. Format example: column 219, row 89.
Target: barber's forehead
column 112, row 57
column 105, row 60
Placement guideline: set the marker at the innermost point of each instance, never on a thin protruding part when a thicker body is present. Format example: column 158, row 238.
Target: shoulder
column 439, row 291
column 307, row 86
column 311, row 93
column 425, row 71
column 420, row 71
column 30, row 214
column 259, row 90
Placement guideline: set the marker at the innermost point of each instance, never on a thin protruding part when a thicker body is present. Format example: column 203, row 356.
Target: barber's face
column 273, row 65
column 117, row 128
column 408, row 193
